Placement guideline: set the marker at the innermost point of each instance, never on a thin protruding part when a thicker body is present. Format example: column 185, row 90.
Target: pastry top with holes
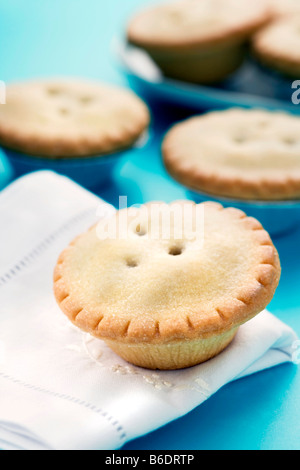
column 70, row 118
column 279, row 43
column 237, row 153
column 281, row 8
column 188, row 23
column 141, row 277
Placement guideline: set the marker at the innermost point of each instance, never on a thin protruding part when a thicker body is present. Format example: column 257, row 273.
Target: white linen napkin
column 61, row 389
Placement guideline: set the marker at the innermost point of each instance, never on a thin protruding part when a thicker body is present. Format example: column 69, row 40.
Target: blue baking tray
column 250, row 86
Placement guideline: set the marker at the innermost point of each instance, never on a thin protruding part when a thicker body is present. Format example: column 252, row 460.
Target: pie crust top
column 281, row 8
column 278, row 44
column 162, row 279
column 188, row 23
column 70, row 118
column 237, row 153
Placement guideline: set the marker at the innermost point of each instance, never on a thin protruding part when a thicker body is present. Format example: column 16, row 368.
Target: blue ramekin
column 279, row 218
column 90, row 172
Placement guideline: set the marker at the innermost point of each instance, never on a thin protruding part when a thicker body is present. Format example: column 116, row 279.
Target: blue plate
column 6, row 172
column 278, row 218
column 251, row 86
column 90, row 172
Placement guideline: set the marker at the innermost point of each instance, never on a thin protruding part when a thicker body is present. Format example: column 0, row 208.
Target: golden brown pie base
column 173, row 355
column 200, row 66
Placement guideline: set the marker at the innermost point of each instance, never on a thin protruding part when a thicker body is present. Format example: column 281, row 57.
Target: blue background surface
column 74, row 37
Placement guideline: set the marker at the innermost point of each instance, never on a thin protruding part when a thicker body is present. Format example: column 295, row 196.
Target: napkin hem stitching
column 77, row 401
column 18, row 267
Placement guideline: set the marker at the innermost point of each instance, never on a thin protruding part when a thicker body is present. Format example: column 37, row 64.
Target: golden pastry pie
column 70, row 118
column 245, row 154
column 281, row 8
column 197, row 40
column 167, row 286
column 277, row 45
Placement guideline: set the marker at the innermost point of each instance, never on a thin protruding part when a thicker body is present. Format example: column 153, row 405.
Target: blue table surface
column 74, row 37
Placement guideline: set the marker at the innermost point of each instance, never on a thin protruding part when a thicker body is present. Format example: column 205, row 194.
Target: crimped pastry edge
column 55, row 149
column 250, row 301
column 238, row 189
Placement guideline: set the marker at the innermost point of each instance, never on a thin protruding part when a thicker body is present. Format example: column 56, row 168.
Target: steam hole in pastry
column 175, row 250
column 131, row 263
column 141, row 231
column 176, row 17
column 263, row 124
column 240, row 139
column 53, row 91
column 63, row 111
column 86, row 99
column 289, row 140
